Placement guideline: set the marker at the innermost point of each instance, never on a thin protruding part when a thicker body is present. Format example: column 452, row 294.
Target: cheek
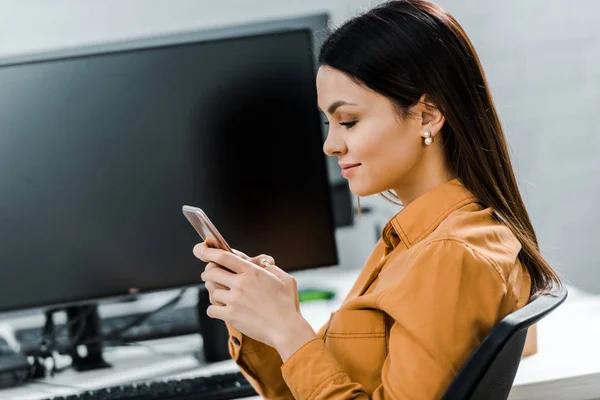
column 400, row 160
column 389, row 159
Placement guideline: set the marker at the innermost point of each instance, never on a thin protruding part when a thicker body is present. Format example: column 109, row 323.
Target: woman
column 411, row 117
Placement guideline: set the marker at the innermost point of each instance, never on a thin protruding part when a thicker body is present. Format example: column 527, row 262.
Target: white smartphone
column 205, row 228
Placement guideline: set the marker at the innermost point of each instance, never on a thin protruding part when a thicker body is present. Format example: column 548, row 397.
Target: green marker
column 314, row 294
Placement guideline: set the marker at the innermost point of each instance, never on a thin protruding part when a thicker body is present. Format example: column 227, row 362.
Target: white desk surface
column 567, row 365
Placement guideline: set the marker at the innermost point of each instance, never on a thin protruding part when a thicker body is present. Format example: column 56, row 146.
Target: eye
column 348, row 125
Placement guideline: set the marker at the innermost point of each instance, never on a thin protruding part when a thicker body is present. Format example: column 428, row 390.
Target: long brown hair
column 404, row 49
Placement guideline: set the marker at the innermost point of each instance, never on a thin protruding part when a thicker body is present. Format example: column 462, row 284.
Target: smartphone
column 205, row 228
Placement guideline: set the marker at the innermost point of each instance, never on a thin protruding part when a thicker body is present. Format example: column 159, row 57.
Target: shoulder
column 473, row 229
column 469, row 259
column 453, row 258
column 469, row 246
column 444, row 274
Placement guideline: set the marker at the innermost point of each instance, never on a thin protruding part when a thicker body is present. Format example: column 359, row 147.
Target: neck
column 429, row 174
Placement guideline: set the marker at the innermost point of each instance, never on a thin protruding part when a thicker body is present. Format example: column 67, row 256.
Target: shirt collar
column 418, row 219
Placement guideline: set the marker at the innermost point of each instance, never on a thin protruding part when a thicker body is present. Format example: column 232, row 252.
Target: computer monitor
column 100, row 147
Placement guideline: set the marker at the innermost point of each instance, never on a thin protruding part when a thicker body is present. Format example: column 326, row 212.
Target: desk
column 567, row 365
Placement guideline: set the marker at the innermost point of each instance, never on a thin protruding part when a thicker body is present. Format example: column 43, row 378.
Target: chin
column 361, row 190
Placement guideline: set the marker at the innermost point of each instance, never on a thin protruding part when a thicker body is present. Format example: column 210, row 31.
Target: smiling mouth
column 346, row 166
column 347, row 170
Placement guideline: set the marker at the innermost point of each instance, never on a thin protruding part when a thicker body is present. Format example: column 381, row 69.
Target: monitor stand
column 85, row 333
column 215, row 337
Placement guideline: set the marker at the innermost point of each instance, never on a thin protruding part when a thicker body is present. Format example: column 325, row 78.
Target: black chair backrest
column 490, row 371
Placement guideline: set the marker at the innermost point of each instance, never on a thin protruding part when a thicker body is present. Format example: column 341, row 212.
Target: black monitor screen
column 99, row 152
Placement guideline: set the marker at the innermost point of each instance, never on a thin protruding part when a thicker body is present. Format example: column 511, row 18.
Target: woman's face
column 377, row 149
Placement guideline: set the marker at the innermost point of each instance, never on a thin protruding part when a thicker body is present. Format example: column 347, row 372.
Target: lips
column 348, row 168
column 348, row 165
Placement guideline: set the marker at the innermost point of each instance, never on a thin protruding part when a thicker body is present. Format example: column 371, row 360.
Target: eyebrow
column 337, row 104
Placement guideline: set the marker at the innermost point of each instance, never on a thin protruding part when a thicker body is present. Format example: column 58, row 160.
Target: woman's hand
column 261, row 260
column 261, row 302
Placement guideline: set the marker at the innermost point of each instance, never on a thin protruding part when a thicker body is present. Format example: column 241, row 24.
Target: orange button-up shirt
column 442, row 275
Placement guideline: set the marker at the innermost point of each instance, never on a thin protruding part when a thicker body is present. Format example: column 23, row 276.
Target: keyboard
column 216, row 387
column 163, row 324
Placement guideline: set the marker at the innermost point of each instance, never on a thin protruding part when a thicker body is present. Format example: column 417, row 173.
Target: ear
column 432, row 119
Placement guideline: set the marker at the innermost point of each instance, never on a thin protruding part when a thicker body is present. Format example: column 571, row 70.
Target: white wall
column 541, row 58
column 34, row 25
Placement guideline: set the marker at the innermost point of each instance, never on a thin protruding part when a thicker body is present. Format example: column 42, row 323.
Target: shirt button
column 235, row 340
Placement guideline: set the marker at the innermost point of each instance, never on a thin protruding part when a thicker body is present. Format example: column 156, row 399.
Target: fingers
column 215, row 311
column 221, row 257
column 240, row 254
column 222, row 296
column 263, row 260
column 278, row 272
column 211, row 287
column 212, row 242
column 218, row 275
column 218, row 309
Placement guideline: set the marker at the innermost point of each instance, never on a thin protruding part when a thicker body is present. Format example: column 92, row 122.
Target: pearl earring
column 428, row 139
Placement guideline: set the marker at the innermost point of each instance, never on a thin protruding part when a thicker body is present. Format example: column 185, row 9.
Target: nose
column 334, row 144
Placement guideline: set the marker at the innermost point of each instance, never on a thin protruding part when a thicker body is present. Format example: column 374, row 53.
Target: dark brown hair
column 404, row 49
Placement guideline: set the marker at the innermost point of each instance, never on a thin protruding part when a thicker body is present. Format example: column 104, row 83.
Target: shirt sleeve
column 260, row 364
column 443, row 302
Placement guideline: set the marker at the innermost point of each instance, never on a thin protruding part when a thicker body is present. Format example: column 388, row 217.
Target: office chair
column 490, row 371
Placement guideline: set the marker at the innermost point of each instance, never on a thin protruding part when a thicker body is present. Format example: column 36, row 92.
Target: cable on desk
column 50, row 344
column 117, row 333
